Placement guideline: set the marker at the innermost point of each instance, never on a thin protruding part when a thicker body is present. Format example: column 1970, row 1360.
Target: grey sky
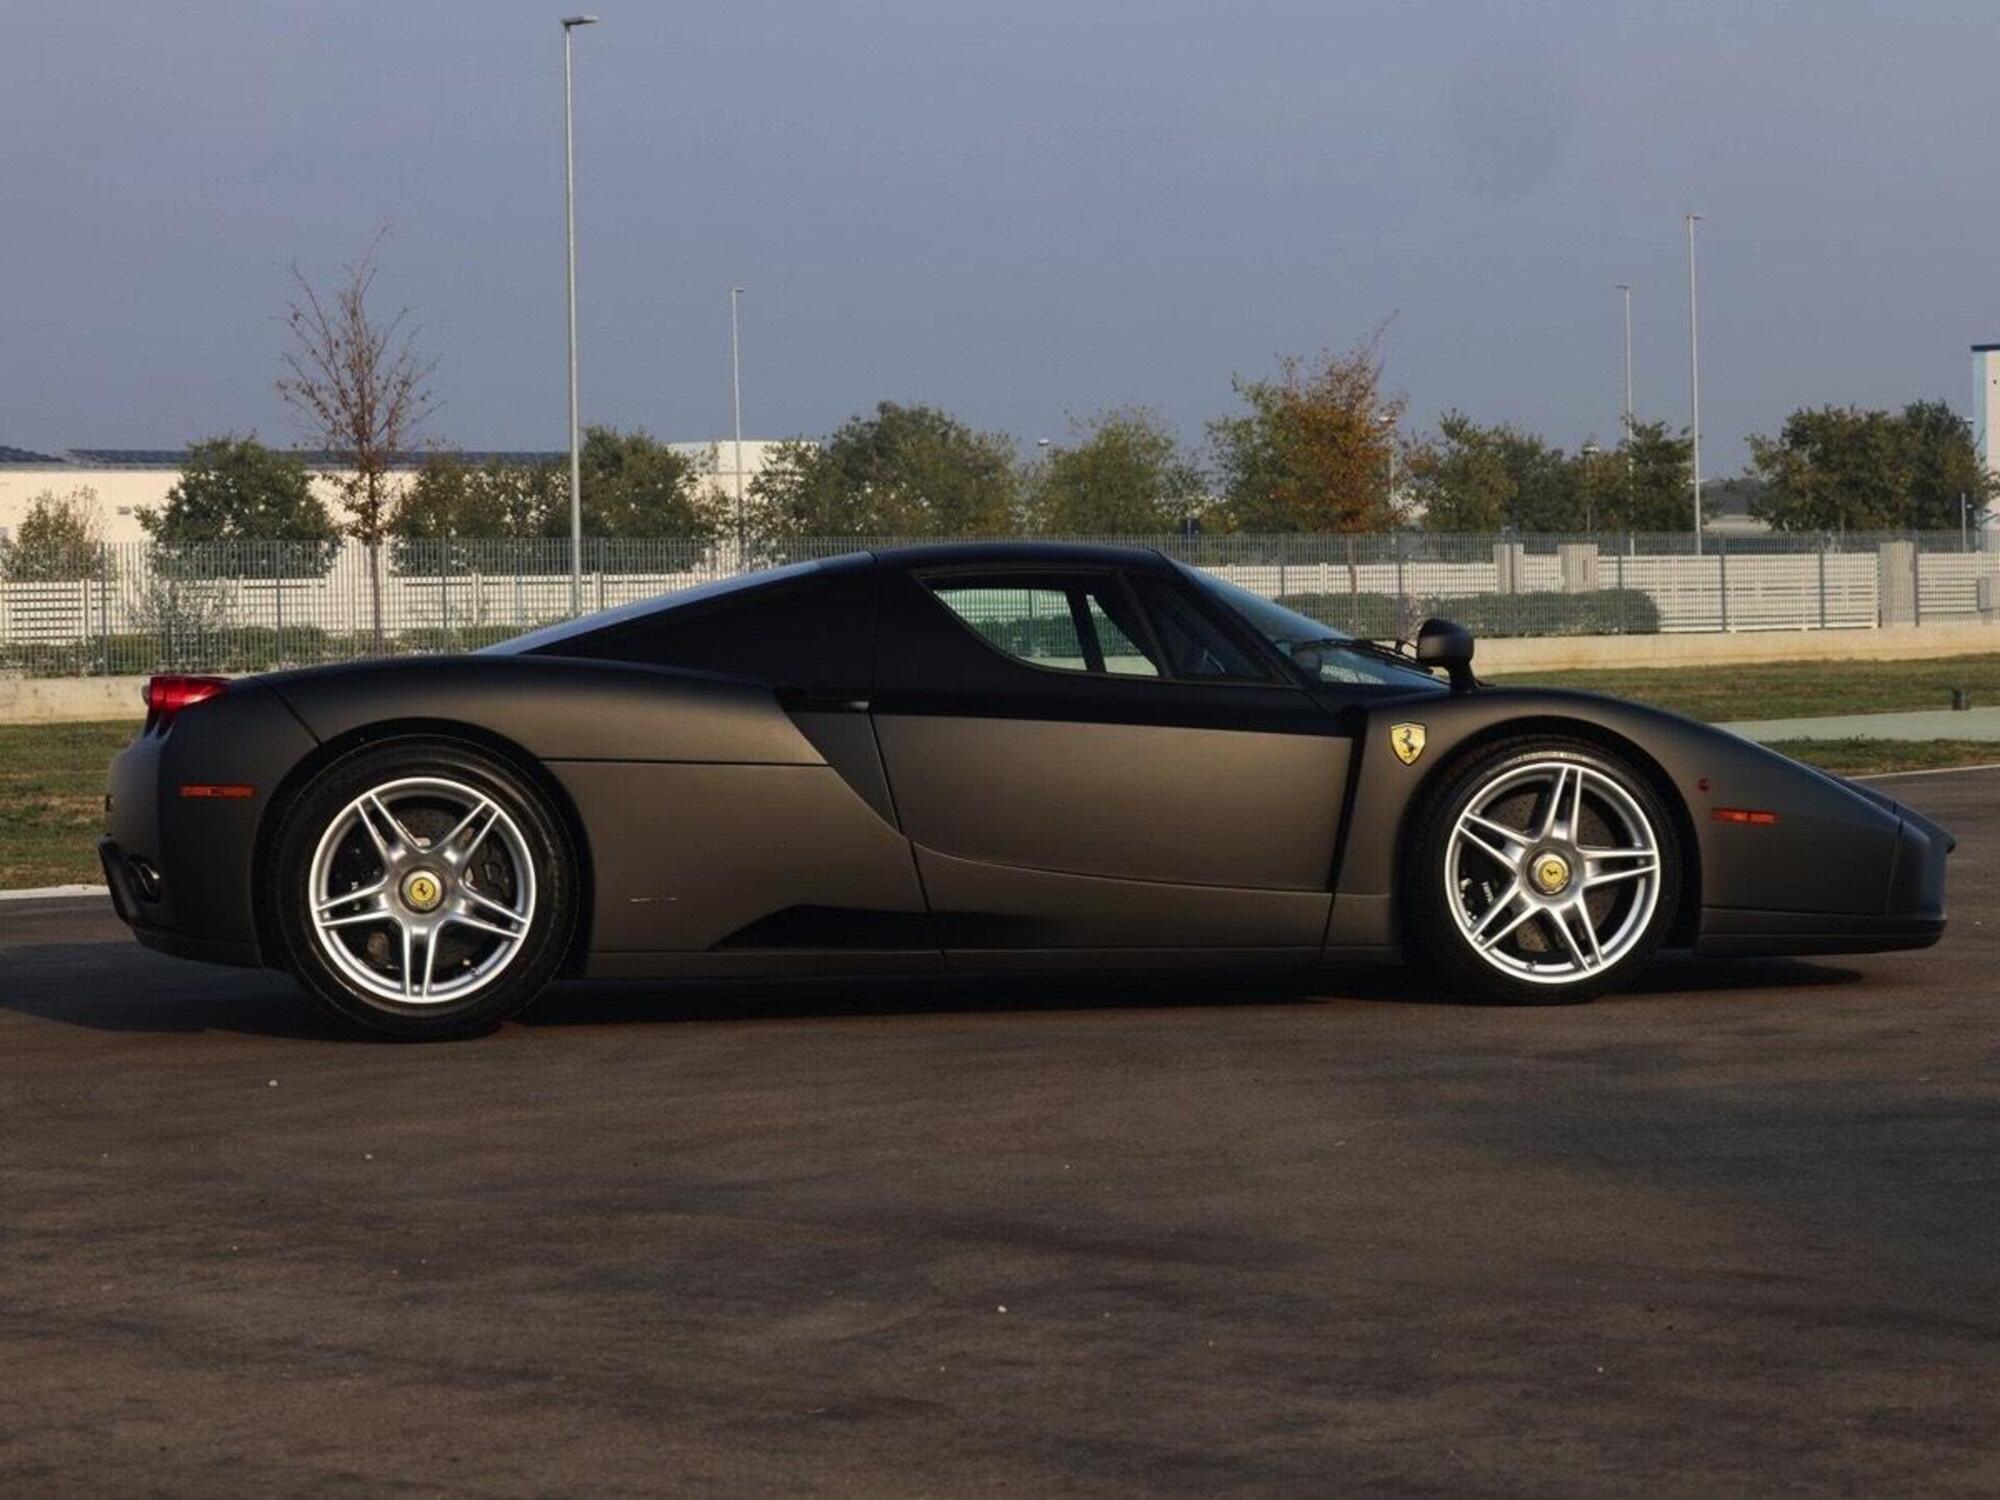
column 1019, row 212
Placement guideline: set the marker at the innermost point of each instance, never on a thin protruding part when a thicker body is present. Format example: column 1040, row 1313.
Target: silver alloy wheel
column 422, row 891
column 1552, row 872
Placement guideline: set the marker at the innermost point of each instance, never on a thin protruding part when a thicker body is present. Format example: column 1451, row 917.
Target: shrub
column 1495, row 616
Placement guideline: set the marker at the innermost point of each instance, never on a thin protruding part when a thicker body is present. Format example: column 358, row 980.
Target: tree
column 1485, row 478
column 363, row 389
column 1659, row 468
column 1315, row 450
column 1843, row 468
column 636, row 487
column 60, row 538
column 1941, row 464
column 1125, row 476
column 904, row 471
column 1462, row 481
column 233, row 491
column 454, row 501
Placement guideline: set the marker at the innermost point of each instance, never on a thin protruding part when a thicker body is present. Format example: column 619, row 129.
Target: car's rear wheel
column 1545, row 872
column 424, row 889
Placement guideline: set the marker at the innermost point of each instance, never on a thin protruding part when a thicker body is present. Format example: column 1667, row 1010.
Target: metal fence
column 135, row 608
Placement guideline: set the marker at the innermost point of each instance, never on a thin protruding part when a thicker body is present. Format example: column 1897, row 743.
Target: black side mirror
column 1440, row 643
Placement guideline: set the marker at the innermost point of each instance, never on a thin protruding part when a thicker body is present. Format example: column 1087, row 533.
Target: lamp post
column 1694, row 382
column 736, row 401
column 1591, row 452
column 569, row 24
column 1387, row 421
column 1626, row 288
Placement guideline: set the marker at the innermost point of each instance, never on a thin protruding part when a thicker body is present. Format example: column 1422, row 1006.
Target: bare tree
column 363, row 388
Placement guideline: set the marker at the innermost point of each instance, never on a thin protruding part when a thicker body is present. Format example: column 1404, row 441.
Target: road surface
column 1736, row 1232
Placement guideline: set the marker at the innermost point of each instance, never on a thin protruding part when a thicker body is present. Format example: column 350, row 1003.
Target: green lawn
column 1872, row 757
column 52, row 801
column 1787, row 690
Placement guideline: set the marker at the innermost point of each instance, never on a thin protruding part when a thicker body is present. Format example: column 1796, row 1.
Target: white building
column 124, row 481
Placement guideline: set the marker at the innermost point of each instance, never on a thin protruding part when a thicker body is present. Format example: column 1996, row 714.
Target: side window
column 816, row 633
column 1072, row 625
column 1195, row 645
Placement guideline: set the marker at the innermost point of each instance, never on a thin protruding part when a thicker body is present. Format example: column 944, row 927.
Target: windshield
column 1317, row 648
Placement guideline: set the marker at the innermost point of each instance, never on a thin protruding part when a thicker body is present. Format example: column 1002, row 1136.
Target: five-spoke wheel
column 424, row 888
column 1553, row 866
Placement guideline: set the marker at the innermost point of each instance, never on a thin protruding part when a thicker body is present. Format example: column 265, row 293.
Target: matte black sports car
column 971, row 757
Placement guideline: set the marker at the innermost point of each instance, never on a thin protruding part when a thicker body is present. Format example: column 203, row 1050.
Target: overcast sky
column 1022, row 212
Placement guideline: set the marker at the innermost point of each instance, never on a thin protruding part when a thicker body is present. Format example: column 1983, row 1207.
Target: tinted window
column 815, row 633
column 1195, row 646
column 1072, row 625
column 1317, row 649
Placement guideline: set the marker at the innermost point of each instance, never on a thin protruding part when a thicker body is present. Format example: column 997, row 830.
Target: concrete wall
column 58, row 700
column 1895, row 643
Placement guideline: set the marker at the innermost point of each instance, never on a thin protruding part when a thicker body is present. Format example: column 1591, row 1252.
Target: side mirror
column 1440, row 643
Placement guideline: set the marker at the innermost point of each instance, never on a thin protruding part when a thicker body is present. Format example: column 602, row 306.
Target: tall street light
column 1694, row 380
column 1626, row 288
column 569, row 24
column 736, row 399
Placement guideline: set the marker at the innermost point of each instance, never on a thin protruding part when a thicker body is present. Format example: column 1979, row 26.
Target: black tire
column 1514, row 971
column 530, row 831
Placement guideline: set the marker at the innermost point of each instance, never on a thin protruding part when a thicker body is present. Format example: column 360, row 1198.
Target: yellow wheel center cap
column 422, row 891
column 1551, row 873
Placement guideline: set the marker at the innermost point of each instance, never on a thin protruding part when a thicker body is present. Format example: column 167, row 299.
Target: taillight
column 167, row 696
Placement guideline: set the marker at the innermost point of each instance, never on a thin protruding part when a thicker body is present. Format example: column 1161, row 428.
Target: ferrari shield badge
column 1408, row 742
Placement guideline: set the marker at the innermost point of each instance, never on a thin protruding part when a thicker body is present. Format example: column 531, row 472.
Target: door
column 1089, row 760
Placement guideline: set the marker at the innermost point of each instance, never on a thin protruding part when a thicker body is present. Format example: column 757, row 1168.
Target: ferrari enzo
column 980, row 757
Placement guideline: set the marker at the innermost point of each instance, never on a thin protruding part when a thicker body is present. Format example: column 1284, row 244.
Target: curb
column 55, row 892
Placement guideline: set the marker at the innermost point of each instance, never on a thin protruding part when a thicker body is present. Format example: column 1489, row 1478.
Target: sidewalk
column 1924, row 724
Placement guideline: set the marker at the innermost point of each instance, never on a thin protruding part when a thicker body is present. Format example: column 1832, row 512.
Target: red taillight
column 167, row 696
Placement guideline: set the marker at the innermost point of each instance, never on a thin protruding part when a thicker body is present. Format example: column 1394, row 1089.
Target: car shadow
column 120, row 989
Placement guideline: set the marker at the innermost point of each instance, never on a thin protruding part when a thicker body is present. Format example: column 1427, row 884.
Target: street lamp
column 1626, row 288
column 1694, row 382
column 736, row 400
column 569, row 24
column 1590, row 455
column 1387, row 421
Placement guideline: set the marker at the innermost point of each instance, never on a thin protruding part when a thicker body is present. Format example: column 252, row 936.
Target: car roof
column 1014, row 553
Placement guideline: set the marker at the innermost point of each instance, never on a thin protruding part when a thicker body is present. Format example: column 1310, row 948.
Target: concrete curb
column 55, row 893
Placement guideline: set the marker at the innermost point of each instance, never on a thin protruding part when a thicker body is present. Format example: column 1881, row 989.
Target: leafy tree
column 237, row 491
column 1657, row 468
column 1477, row 477
column 1124, row 477
column 60, row 537
column 1843, row 468
column 1485, row 478
column 1462, row 482
column 904, row 471
column 451, row 500
column 635, row 487
column 1314, row 450
column 1941, row 463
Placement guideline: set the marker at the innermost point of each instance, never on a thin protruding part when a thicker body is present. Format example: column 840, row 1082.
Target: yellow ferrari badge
column 1408, row 742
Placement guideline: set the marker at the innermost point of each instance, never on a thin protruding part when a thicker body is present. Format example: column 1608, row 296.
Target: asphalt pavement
column 1738, row 1232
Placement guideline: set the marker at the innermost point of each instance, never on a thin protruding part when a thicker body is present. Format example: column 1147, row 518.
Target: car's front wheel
column 424, row 889
column 1546, row 871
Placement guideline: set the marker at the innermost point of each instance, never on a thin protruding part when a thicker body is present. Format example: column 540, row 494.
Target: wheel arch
column 367, row 736
column 1687, row 913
